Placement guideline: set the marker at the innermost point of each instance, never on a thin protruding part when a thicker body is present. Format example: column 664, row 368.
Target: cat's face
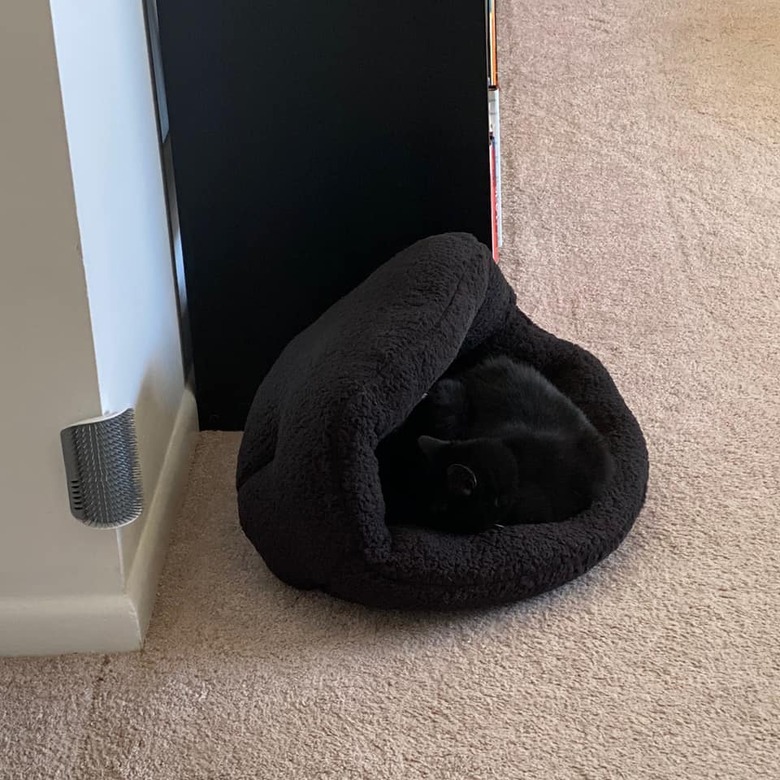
column 474, row 483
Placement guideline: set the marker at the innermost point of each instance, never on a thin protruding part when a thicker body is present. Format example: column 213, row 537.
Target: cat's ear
column 461, row 480
column 431, row 446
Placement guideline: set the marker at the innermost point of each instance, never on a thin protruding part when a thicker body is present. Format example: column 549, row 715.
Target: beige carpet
column 642, row 218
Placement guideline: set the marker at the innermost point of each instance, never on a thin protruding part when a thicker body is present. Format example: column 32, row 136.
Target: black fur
column 495, row 445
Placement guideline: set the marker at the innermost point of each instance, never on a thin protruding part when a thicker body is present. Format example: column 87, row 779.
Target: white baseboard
column 68, row 624
column 111, row 622
column 141, row 582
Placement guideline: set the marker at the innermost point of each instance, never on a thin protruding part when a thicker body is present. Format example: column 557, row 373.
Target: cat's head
column 473, row 482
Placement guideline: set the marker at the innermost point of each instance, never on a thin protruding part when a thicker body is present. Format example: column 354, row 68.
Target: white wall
column 49, row 375
column 109, row 103
column 87, row 325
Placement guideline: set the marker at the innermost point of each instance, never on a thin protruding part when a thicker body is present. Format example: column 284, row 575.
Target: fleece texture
column 309, row 494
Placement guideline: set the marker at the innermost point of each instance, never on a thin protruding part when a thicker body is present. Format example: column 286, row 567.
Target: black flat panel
column 311, row 141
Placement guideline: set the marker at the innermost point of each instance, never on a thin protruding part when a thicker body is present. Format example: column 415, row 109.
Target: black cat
column 497, row 444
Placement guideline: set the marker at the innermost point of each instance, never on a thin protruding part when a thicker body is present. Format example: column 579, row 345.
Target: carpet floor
column 641, row 147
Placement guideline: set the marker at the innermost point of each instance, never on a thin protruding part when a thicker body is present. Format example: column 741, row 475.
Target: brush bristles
column 103, row 470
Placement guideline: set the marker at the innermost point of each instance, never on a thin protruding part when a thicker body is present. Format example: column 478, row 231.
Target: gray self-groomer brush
column 103, row 470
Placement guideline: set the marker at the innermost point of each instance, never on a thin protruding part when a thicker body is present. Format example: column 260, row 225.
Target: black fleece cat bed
column 309, row 493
